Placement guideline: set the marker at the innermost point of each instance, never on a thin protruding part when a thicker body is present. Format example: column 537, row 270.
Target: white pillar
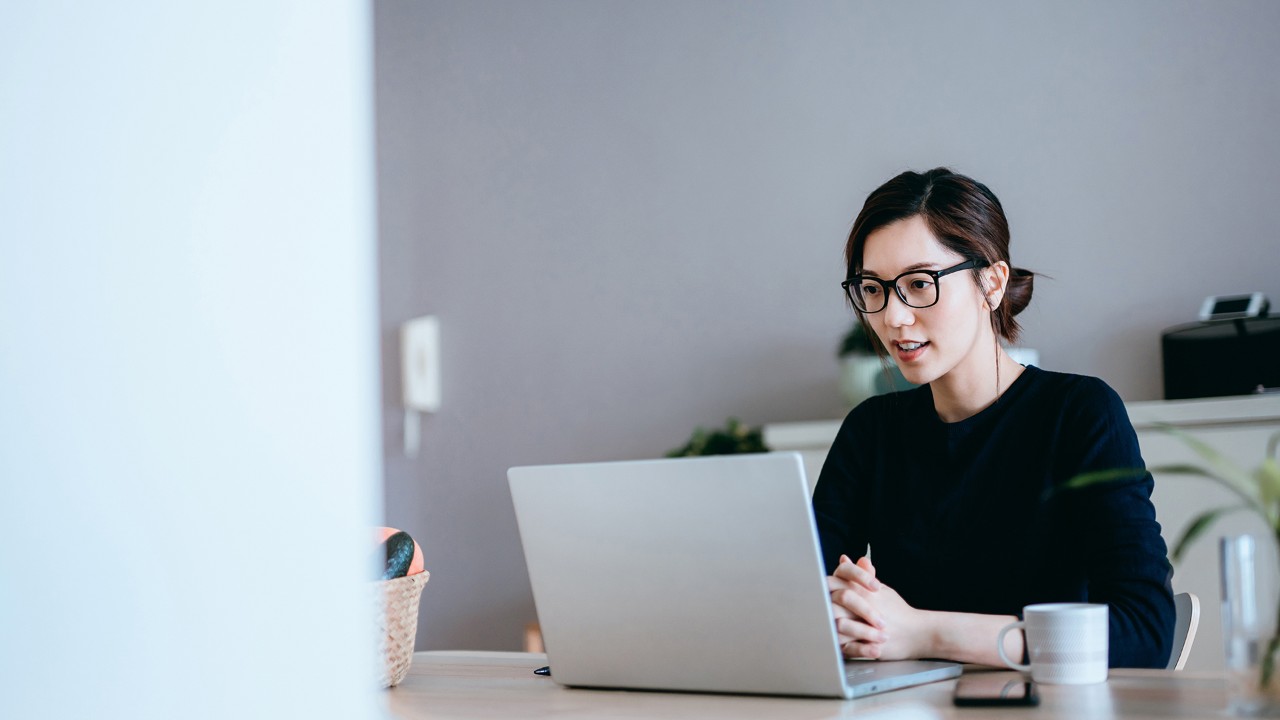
column 189, row 428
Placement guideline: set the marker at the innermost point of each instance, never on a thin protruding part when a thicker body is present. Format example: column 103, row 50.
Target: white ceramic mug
column 1066, row 643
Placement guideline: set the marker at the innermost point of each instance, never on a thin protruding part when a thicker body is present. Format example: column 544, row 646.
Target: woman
column 946, row 495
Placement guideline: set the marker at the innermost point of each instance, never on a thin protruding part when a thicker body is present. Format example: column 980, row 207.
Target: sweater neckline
column 1006, row 398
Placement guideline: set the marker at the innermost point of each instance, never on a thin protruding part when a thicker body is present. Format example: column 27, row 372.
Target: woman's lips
column 909, row 350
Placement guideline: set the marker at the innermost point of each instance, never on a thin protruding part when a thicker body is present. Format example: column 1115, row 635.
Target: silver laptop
column 699, row 574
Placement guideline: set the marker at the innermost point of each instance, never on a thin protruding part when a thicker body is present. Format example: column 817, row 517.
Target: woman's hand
column 872, row 619
column 859, row 627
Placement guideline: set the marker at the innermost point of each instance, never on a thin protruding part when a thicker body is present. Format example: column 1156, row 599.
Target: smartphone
column 995, row 689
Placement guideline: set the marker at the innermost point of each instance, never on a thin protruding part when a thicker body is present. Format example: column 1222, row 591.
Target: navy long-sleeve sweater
column 962, row 516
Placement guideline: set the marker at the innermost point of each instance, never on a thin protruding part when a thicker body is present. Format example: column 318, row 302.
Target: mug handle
column 1000, row 646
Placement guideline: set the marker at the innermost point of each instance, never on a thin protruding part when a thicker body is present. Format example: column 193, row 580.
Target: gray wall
column 629, row 217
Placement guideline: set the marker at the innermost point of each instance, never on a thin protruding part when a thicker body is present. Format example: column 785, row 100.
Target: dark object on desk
column 400, row 549
column 545, row 671
column 994, row 690
column 1224, row 357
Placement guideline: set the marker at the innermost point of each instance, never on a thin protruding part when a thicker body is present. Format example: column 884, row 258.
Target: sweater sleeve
column 835, row 498
column 1113, row 526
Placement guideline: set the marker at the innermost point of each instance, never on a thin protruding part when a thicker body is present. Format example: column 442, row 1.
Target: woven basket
column 397, row 602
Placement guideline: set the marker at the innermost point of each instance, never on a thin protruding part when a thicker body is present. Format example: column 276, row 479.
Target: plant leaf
column 1246, row 494
column 735, row 437
column 1102, row 476
column 1199, row 525
column 1267, row 475
column 1182, row 469
column 1223, row 468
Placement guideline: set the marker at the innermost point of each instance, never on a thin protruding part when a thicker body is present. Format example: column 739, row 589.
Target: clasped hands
column 872, row 619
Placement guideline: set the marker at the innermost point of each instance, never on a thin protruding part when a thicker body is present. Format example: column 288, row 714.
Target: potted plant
column 865, row 369
column 732, row 439
column 1250, row 624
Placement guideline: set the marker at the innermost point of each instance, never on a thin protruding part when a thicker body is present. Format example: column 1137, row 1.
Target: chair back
column 1186, row 620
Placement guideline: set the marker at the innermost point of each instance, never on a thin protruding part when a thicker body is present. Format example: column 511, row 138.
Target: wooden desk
column 479, row 685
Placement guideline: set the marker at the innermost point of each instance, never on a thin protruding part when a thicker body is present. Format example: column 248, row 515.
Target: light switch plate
column 420, row 363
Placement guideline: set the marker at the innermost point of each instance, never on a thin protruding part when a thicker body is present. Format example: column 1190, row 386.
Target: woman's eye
column 919, row 284
column 870, row 289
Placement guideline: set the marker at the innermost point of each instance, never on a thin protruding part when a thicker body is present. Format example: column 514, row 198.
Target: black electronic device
column 994, row 689
column 1219, row 358
column 1230, row 307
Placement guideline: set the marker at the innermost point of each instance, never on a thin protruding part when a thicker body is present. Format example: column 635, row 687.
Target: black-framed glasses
column 916, row 288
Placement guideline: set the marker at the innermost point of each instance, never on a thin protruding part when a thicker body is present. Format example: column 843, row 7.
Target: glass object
column 916, row 288
column 1250, row 603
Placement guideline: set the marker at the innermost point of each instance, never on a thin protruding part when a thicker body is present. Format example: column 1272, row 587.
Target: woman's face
column 927, row 343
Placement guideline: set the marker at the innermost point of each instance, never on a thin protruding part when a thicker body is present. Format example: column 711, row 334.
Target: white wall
column 188, row 423
column 629, row 216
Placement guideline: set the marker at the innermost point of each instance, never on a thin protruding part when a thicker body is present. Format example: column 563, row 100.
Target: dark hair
column 963, row 214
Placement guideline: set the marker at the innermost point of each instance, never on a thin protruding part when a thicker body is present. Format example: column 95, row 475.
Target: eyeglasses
column 916, row 288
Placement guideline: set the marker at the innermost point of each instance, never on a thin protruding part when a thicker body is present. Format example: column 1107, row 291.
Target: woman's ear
column 995, row 278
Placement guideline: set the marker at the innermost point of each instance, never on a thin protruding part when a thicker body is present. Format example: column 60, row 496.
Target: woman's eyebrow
column 910, row 268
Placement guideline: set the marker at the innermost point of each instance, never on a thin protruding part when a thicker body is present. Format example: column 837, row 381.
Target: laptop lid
column 694, row 574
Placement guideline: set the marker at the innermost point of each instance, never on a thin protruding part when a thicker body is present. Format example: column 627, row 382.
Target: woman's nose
column 897, row 313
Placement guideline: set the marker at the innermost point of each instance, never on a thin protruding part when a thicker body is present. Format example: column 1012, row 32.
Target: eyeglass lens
column 919, row 290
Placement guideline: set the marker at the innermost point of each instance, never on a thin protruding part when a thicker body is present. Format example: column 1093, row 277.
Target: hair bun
column 1017, row 294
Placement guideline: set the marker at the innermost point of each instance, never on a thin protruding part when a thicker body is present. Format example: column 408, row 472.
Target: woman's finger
column 840, row 611
column 834, row 583
column 857, row 573
column 861, row 650
column 853, row 630
column 858, row 605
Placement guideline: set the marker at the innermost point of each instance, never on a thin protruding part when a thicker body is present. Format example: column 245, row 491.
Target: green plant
column 858, row 341
column 734, row 438
column 1257, row 491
